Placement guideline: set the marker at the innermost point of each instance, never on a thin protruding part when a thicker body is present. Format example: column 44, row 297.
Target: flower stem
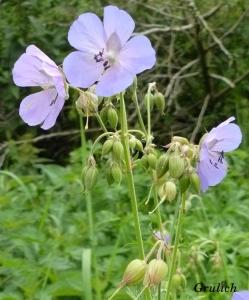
column 130, row 179
column 101, row 123
column 176, row 243
column 140, row 119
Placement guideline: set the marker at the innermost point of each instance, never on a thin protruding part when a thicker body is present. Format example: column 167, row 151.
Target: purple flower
column 34, row 68
column 212, row 167
column 106, row 54
column 164, row 237
column 243, row 295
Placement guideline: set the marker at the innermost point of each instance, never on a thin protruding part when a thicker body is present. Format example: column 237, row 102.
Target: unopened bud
column 149, row 97
column 118, row 151
column 112, row 117
column 116, row 173
column 90, row 177
column 184, row 183
column 176, row 166
column 152, row 159
column 170, row 190
column 195, row 181
column 107, row 147
column 87, row 102
column 144, row 161
column 156, row 272
column 139, row 146
column 103, row 114
column 162, row 165
column 134, row 272
column 132, row 142
column 159, row 101
column 178, row 281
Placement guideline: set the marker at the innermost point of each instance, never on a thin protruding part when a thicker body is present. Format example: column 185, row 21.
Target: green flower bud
column 159, row 101
column 152, row 159
column 161, row 192
column 103, row 114
column 144, row 161
column 109, row 176
column 132, row 142
column 112, row 117
column 118, row 151
column 139, row 146
column 149, row 97
column 90, row 177
column 107, row 147
column 195, row 181
column 184, row 183
column 134, row 272
column 170, row 190
column 176, row 166
column 156, row 272
column 162, row 165
column 178, row 281
column 87, row 103
column 116, row 173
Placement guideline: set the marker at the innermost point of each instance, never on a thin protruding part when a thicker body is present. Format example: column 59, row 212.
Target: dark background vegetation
column 43, row 218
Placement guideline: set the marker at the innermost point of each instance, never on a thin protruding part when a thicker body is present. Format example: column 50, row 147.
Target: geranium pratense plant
column 106, row 53
column 35, row 68
column 105, row 64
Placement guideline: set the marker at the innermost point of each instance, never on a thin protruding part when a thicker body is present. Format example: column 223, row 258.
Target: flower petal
column 32, row 50
column 137, row 55
column 87, row 34
column 114, row 80
column 35, row 108
column 55, row 109
column 119, row 21
column 81, row 69
column 27, row 72
column 243, row 295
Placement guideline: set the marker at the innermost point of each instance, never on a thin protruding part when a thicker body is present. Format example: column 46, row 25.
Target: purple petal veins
column 212, row 166
column 107, row 55
column 35, row 68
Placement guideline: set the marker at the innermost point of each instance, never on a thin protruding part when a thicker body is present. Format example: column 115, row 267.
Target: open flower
column 212, row 167
column 34, row 68
column 106, row 54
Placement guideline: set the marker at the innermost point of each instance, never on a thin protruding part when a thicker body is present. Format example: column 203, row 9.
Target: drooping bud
column 180, row 139
column 103, row 114
column 107, row 147
column 149, row 97
column 89, row 177
column 134, row 272
column 155, row 273
column 170, row 190
column 152, row 159
column 176, row 166
column 144, row 161
column 87, row 103
column 159, row 101
column 132, row 142
column 184, row 183
column 178, row 280
column 118, row 151
column 139, row 146
column 195, row 181
column 162, row 165
column 112, row 117
column 116, row 173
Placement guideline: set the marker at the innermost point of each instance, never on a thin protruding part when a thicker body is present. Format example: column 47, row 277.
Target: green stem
column 159, row 218
column 177, row 239
column 140, row 119
column 131, row 186
column 101, row 122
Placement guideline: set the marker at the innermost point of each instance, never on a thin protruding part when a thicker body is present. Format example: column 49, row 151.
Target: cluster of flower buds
column 151, row 273
column 109, row 115
column 174, row 169
column 150, row 157
column 156, row 99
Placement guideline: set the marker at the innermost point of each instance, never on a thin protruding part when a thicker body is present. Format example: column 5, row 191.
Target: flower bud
column 162, row 165
column 139, row 146
column 178, row 280
column 176, row 166
column 144, row 161
column 152, row 159
column 90, row 177
column 116, row 173
column 159, row 101
column 87, row 103
column 156, row 272
column 134, row 272
column 118, row 151
column 103, row 114
column 184, row 183
column 112, row 117
column 170, row 190
column 195, row 181
column 109, row 176
column 149, row 97
column 107, row 147
column 132, row 142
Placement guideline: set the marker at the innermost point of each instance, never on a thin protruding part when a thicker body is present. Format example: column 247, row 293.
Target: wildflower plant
column 102, row 73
